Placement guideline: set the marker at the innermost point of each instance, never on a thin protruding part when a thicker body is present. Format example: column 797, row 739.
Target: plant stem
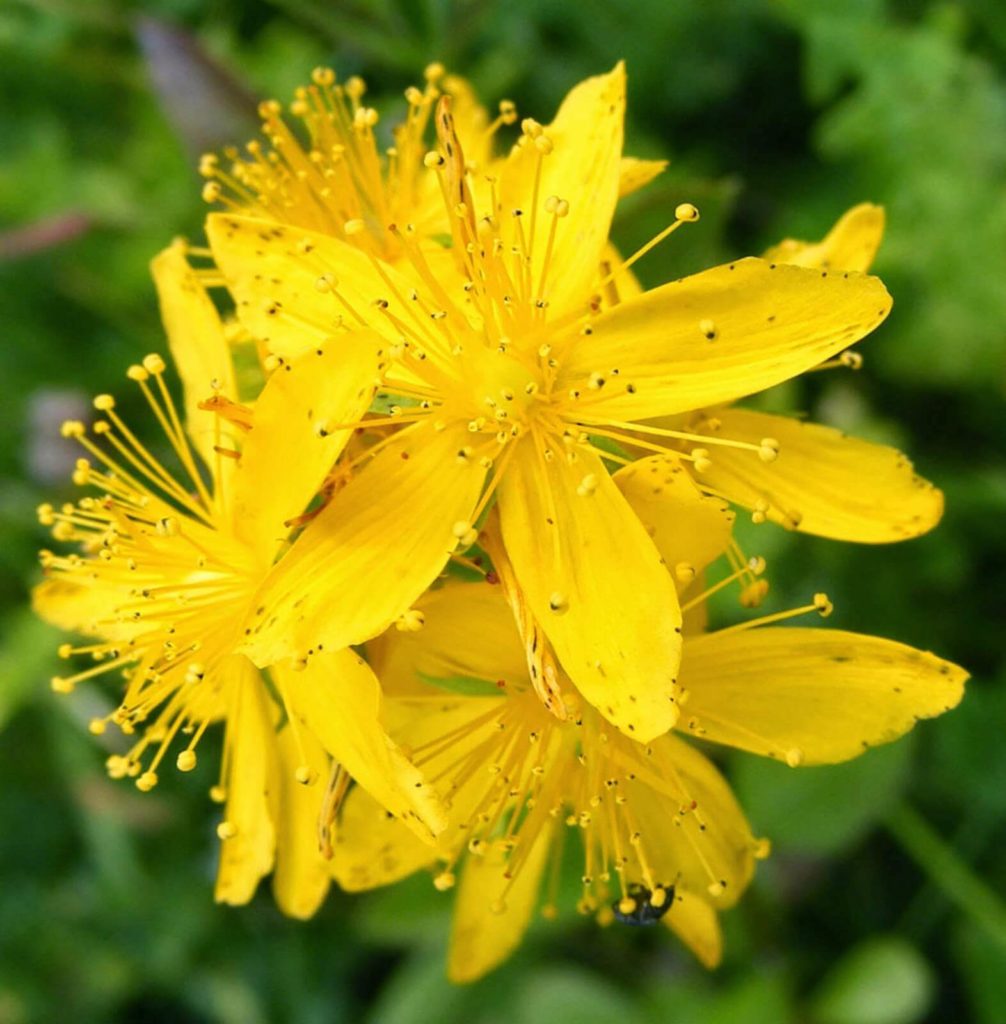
column 948, row 872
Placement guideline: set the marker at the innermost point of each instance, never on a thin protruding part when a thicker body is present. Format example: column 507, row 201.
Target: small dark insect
column 643, row 906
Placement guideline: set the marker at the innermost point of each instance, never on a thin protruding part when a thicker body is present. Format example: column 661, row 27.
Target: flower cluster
column 433, row 525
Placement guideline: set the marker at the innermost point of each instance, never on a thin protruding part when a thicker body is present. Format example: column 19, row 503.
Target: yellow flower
column 824, row 482
column 517, row 381
column 168, row 564
column 340, row 183
column 659, row 833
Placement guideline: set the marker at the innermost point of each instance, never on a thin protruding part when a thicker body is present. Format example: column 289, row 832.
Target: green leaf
column 822, row 809
column 881, row 981
column 26, row 655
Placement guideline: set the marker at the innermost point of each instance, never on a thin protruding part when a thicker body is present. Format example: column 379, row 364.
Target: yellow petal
column 823, row 482
column 81, row 609
column 812, row 696
column 851, row 244
column 370, row 849
column 697, row 924
column 468, row 631
column 196, row 339
column 276, row 275
column 691, row 827
column 769, row 322
column 492, row 913
column 302, row 875
column 294, row 441
column 690, row 529
column 248, row 853
column 372, row 551
column 338, row 698
column 596, row 584
column 635, row 174
column 583, row 168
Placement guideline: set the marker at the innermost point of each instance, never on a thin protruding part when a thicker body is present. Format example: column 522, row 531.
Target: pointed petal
column 372, row 551
column 690, row 529
column 617, row 629
column 302, row 875
column 697, row 924
column 492, row 913
column 823, row 481
column 468, row 633
column 293, row 443
column 372, row 849
column 251, row 784
column 273, row 273
column 770, row 322
column 338, row 698
column 812, row 696
column 583, row 168
column 851, row 244
column 196, row 339
column 691, row 826
column 635, row 174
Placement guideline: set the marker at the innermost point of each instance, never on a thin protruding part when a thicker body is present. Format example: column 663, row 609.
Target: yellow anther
column 768, row 449
column 167, row 526
column 434, row 72
column 354, row 227
column 558, row 603
column 596, row 381
column 531, row 128
column 195, row 672
column 146, row 782
column 823, row 605
column 853, row 360
column 96, row 726
column 65, row 650
column 61, row 685
column 757, row 564
column 72, row 428
column 412, row 621
column 543, row 144
column 433, row 160
column 104, row 403
column 587, row 486
column 701, row 460
column 444, row 881
column 186, row 761
column 327, row 282
column 355, row 87
column 686, row 212
column 708, row 329
column 508, row 111
column 761, row 848
column 154, row 364
column 208, row 164
column 658, row 897
column 684, row 572
column 138, row 374
column 794, row 757
column 226, row 830
column 305, row 775
column 716, row 889
column 218, row 794
column 413, row 96
column 627, row 905
column 211, row 192
column 323, row 77
column 754, row 594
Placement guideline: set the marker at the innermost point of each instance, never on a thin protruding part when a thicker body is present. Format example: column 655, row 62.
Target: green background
column 880, row 904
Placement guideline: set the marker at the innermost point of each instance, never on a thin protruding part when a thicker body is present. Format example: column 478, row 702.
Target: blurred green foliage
column 777, row 114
